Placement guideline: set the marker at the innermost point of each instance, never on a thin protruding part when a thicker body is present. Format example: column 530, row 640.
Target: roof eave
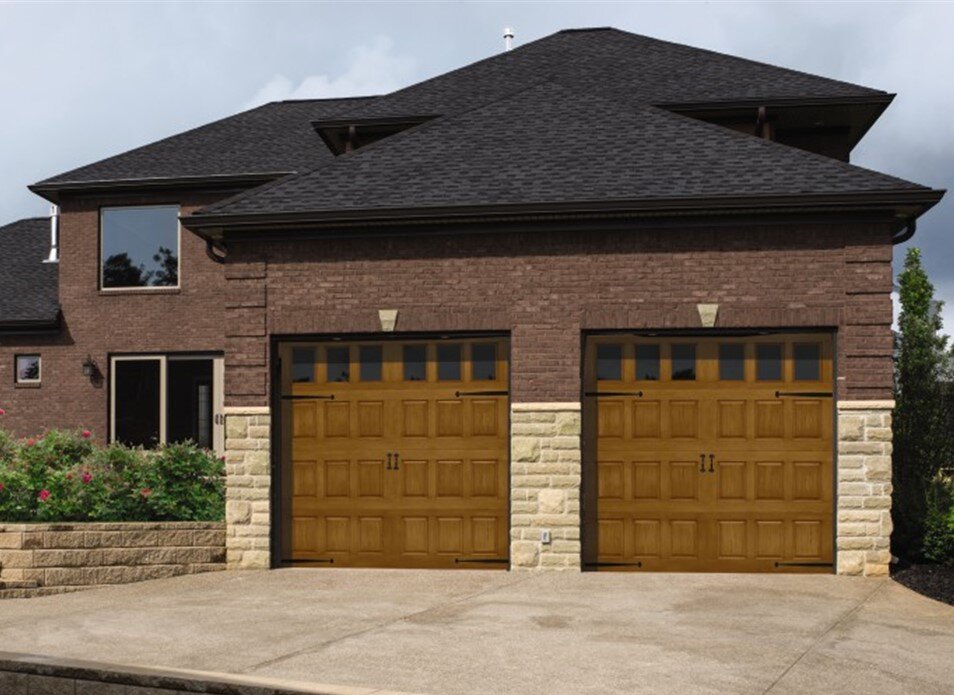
column 28, row 326
column 51, row 190
column 900, row 203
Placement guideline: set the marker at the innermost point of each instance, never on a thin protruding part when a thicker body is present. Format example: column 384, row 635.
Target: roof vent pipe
column 54, row 256
column 508, row 38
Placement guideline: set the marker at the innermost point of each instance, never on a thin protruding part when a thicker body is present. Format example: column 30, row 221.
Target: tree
column 922, row 420
column 119, row 271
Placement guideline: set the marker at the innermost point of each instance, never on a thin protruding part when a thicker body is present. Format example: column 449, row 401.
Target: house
column 600, row 302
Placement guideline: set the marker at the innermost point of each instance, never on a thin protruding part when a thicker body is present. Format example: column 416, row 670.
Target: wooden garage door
column 397, row 453
column 712, row 454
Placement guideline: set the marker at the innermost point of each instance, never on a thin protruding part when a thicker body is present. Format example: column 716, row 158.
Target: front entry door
column 397, row 453
column 712, row 454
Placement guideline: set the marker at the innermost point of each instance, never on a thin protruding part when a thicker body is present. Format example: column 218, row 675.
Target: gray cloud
column 83, row 81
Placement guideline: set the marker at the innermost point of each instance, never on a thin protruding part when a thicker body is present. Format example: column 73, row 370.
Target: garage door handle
column 397, row 460
column 711, row 457
column 389, row 461
column 702, row 463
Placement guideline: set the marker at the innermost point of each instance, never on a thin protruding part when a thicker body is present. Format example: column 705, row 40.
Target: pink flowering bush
column 63, row 476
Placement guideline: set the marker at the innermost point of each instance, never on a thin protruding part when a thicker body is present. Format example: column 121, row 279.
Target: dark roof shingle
column 553, row 144
column 626, row 67
column 28, row 286
column 276, row 138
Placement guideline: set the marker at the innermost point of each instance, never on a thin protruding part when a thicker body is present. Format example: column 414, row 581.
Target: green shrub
column 939, row 522
column 62, row 476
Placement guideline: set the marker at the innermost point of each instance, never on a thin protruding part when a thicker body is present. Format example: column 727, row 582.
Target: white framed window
column 28, row 369
column 160, row 399
column 139, row 247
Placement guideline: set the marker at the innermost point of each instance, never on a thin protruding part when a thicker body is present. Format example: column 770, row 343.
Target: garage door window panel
column 683, row 362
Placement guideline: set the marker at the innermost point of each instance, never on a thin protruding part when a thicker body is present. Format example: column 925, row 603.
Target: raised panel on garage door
column 709, row 454
column 396, row 453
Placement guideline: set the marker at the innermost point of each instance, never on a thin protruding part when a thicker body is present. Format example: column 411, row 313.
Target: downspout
column 211, row 246
column 909, row 229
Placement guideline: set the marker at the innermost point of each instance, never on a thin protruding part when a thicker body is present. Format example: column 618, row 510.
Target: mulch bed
column 933, row 581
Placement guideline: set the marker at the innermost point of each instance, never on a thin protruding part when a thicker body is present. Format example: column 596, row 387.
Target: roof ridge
column 487, row 59
column 323, row 99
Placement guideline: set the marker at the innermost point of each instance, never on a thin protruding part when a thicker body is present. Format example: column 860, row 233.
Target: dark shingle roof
column 552, row 144
column 28, row 286
column 617, row 64
column 629, row 68
column 274, row 138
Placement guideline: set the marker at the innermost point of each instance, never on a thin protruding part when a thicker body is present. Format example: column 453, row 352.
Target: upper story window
column 139, row 247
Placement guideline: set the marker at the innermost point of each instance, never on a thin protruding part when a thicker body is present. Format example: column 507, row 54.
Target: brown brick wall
column 546, row 287
column 543, row 287
column 97, row 323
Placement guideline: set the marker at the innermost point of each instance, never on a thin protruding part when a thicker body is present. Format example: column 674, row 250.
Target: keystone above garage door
column 712, row 454
column 395, row 454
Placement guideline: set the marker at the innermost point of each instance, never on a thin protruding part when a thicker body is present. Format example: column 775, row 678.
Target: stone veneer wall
column 863, row 525
column 248, row 487
column 545, row 474
column 94, row 553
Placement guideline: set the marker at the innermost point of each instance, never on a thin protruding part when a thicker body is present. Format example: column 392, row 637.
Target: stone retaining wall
column 545, row 474
column 863, row 535
column 248, row 486
column 89, row 554
column 25, row 674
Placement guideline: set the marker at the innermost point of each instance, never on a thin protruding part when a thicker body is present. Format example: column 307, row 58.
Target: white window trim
column 218, row 394
column 142, row 288
column 16, row 368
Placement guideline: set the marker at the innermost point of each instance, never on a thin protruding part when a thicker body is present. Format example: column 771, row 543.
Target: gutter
column 906, row 232
column 30, row 326
column 51, row 190
column 904, row 203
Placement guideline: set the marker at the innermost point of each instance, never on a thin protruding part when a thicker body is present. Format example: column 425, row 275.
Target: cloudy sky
column 80, row 81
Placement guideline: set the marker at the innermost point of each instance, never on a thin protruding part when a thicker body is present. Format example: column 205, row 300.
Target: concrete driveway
column 496, row 632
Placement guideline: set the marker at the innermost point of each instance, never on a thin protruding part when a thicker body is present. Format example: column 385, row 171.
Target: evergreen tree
column 922, row 419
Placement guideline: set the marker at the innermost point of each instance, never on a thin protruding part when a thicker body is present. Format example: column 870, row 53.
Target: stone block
column 851, row 428
column 256, row 559
column 551, row 501
column 50, row 685
column 851, row 562
column 568, row 424
column 11, row 540
column 16, row 558
column 140, row 539
column 236, row 427
column 237, row 512
column 13, row 683
column 524, row 554
column 97, row 688
column 63, row 539
column 525, row 449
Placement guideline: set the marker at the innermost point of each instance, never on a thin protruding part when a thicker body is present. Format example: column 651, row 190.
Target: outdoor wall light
column 89, row 367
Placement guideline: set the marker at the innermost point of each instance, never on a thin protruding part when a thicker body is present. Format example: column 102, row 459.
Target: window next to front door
column 139, row 247
column 159, row 399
